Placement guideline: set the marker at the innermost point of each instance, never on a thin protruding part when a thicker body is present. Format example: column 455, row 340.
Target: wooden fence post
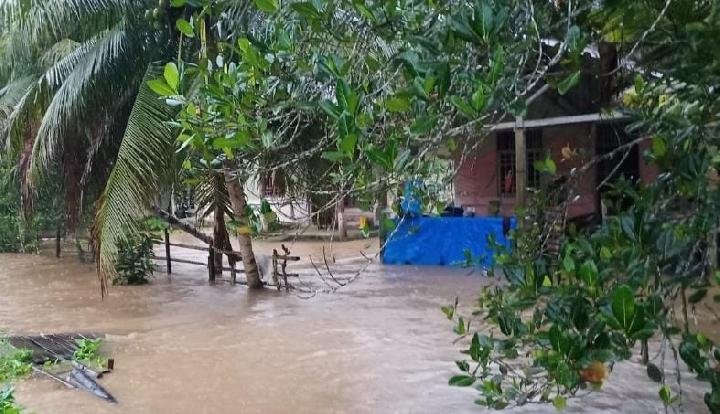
column 58, row 246
column 211, row 263
column 167, row 252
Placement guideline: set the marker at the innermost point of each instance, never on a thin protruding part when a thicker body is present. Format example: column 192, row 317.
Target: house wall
column 287, row 210
column 581, row 141
column 476, row 184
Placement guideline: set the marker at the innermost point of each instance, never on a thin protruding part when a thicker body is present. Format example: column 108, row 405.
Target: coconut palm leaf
column 71, row 100
column 143, row 169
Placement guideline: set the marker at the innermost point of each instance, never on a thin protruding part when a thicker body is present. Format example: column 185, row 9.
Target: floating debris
column 57, row 348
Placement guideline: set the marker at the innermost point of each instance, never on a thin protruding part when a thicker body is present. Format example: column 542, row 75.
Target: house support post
column 520, row 163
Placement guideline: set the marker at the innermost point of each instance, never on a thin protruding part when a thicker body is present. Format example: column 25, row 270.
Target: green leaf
column 463, row 106
column 448, row 310
column 550, row 166
column 389, row 225
column 589, row 273
column 654, row 372
column 463, row 365
column 462, row 381
column 398, row 104
column 659, row 148
column 560, row 403
column 605, row 253
column 475, row 350
column 623, row 306
column 697, row 296
column 639, row 84
column 478, row 99
column 460, row 328
column 172, row 76
column 690, row 354
column 239, row 140
column 348, row 143
column 569, row 82
column 334, row 155
column 330, row 109
column 568, row 264
column 186, row 165
column 160, row 87
column 665, row 395
column 268, row 6
column 306, row 9
column 185, row 27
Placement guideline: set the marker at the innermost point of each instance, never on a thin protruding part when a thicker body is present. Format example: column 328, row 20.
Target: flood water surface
column 379, row 345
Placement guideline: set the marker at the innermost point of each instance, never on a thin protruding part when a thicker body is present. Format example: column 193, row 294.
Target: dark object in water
column 50, row 347
column 81, row 378
column 62, row 348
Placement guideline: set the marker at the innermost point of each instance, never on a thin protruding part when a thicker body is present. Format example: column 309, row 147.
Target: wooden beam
column 562, row 120
column 175, row 222
column 520, row 163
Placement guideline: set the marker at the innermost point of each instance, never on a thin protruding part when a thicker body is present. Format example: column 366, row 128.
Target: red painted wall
column 476, row 181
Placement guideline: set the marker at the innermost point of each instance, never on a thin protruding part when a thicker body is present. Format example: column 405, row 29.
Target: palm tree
column 74, row 75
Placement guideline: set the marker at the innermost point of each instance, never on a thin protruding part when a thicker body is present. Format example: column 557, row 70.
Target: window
column 272, row 186
column 506, row 159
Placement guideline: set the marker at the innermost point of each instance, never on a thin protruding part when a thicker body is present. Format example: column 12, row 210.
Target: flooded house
column 575, row 132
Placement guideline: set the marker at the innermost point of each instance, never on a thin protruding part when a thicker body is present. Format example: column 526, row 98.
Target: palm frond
column 142, row 168
column 37, row 23
column 211, row 194
column 77, row 92
column 59, row 51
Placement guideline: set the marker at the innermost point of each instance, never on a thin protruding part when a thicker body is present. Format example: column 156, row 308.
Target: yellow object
column 363, row 223
column 595, row 373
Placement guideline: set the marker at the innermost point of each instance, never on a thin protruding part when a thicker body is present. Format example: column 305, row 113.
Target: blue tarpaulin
column 444, row 240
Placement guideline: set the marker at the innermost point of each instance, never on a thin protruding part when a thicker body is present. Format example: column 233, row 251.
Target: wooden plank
column 193, row 262
column 562, row 120
column 190, row 246
column 205, row 249
column 186, row 261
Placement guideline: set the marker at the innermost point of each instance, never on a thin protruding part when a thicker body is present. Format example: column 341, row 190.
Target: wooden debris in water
column 50, row 347
column 62, row 347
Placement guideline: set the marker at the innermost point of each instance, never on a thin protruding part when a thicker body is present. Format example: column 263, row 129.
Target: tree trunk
column 237, row 200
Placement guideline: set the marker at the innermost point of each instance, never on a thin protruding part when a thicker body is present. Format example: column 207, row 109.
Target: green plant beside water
column 134, row 265
column 88, row 352
column 14, row 363
column 7, row 401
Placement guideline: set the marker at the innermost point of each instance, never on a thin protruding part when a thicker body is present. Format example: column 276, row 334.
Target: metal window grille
column 506, row 159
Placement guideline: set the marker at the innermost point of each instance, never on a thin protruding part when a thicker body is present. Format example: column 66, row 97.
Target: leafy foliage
column 7, row 401
column 14, row 363
column 134, row 265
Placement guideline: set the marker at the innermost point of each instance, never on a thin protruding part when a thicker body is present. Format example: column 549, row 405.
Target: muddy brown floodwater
column 380, row 345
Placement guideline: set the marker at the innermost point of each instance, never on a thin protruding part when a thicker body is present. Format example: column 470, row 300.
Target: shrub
column 135, row 259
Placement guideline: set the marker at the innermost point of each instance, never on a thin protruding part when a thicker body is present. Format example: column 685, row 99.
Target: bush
column 135, row 259
column 16, row 236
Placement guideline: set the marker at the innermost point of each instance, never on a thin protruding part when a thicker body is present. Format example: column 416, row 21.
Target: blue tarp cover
column 444, row 240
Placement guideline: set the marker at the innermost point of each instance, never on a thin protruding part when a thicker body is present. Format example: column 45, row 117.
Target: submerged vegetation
column 14, row 364
column 7, row 401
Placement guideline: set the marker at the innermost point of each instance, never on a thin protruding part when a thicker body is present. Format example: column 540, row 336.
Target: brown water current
column 379, row 345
